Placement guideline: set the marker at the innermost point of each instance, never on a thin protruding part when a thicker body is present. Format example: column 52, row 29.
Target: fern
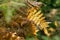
column 36, row 16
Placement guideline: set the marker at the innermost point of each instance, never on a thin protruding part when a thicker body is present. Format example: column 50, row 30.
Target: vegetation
column 29, row 19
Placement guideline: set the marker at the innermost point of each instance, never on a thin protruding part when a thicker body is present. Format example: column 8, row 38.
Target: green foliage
column 57, row 3
column 8, row 13
column 9, row 6
column 30, row 38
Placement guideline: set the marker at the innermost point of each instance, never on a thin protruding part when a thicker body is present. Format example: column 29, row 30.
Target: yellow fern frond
column 37, row 18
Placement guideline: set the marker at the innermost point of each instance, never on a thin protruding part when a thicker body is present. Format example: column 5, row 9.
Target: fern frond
column 38, row 19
